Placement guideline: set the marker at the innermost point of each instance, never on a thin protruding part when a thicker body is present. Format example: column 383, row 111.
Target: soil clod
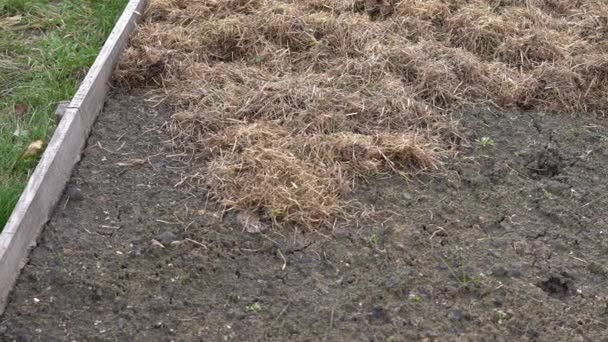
column 74, row 193
column 547, row 162
column 455, row 315
column 166, row 237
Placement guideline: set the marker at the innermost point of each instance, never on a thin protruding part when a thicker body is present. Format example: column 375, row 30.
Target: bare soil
column 506, row 242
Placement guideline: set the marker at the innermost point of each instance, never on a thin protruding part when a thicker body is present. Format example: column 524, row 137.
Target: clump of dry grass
column 536, row 47
column 182, row 12
column 156, row 51
column 288, row 104
column 590, row 23
column 302, row 179
column 435, row 11
column 477, row 28
column 452, row 78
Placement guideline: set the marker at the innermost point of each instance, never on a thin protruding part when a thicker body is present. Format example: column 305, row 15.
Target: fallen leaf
column 21, row 132
column 20, row 110
column 10, row 21
column 34, row 149
column 250, row 222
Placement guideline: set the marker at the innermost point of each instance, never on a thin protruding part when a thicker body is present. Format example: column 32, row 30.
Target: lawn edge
column 45, row 186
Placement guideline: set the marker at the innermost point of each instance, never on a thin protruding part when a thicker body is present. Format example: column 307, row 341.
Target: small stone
column 455, row 315
column 166, row 237
column 135, row 251
column 3, row 329
column 516, row 273
column 494, row 254
column 392, row 281
column 342, row 232
column 430, row 334
column 121, row 323
column 60, row 110
column 556, row 187
column 500, row 271
column 426, row 291
column 498, row 244
column 74, row 194
column 49, row 246
column 505, row 225
column 97, row 295
column 407, row 196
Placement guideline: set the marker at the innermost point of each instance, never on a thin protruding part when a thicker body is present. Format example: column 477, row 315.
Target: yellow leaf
column 34, row 149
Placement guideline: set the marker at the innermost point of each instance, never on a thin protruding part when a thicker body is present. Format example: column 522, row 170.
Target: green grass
column 46, row 47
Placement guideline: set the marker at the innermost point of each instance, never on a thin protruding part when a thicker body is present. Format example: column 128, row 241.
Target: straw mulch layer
column 288, row 104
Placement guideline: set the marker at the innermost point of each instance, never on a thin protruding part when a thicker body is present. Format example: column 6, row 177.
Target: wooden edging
column 54, row 169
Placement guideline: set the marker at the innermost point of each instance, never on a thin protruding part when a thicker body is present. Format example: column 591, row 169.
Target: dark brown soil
column 507, row 242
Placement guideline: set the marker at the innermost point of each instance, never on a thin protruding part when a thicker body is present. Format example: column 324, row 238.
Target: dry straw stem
column 289, row 104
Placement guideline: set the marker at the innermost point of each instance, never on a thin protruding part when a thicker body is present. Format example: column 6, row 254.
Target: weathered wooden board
column 91, row 95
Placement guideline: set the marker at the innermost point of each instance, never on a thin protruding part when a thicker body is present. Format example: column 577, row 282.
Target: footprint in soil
column 546, row 163
column 379, row 316
column 556, row 286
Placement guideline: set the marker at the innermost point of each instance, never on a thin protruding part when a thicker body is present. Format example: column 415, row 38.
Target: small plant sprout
column 548, row 195
column 500, row 316
column 414, row 298
column 254, row 307
column 374, row 239
column 485, row 142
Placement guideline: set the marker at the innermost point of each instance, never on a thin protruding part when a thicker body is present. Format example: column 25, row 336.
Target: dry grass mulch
column 288, row 104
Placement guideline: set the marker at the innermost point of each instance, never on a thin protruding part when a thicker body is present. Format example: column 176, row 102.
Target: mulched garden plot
column 292, row 105
column 338, row 170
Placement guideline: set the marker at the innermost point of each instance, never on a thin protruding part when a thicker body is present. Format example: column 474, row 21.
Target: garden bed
column 339, row 170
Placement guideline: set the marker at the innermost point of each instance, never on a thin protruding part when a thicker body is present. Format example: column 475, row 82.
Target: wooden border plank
column 38, row 199
column 89, row 98
column 54, row 169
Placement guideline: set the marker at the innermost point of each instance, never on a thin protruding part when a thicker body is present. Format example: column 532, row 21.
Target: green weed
column 374, row 240
column 485, row 142
column 254, row 307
